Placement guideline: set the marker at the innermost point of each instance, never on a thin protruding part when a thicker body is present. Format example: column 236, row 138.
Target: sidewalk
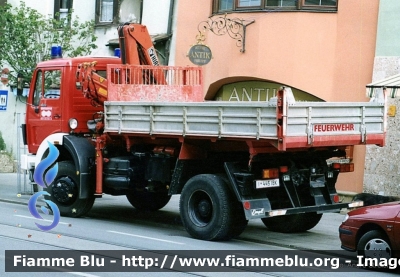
column 12, row 192
column 324, row 236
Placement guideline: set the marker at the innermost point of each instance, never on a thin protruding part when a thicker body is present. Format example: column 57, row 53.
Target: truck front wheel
column 64, row 192
column 209, row 210
column 293, row 223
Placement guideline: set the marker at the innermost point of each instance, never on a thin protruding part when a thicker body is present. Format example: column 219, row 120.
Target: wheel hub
column 64, row 190
column 204, row 208
column 200, row 208
column 377, row 248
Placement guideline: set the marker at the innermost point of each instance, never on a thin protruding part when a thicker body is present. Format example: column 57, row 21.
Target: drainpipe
column 141, row 11
column 169, row 30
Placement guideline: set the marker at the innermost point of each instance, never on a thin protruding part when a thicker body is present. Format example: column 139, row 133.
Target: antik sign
column 257, row 91
column 200, row 54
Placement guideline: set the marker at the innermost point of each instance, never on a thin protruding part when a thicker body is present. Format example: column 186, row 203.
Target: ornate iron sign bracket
column 234, row 27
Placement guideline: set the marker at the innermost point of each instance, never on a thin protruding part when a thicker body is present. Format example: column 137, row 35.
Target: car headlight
column 73, row 123
column 345, row 218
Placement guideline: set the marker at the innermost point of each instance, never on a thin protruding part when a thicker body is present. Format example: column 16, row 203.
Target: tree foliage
column 26, row 38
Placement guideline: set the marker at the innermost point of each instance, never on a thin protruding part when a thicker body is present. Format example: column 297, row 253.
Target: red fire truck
column 129, row 126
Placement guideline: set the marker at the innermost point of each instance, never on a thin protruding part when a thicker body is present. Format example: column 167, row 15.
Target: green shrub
column 2, row 143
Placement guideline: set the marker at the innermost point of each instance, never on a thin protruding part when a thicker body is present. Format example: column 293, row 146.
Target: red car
column 372, row 231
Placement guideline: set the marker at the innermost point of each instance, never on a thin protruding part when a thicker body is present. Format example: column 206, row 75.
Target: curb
column 25, row 203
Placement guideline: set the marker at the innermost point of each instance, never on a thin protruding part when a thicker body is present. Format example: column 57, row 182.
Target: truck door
column 44, row 112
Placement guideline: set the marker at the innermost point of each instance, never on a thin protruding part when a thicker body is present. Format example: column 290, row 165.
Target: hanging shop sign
column 200, row 54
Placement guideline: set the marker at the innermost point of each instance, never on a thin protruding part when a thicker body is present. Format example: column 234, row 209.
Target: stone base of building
column 7, row 164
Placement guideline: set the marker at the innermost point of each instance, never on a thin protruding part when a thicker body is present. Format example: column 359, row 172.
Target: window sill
column 104, row 24
column 276, row 9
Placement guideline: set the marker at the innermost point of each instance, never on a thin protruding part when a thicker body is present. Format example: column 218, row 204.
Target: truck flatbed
column 301, row 124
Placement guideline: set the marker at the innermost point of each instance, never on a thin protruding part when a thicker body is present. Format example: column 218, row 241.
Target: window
column 249, row 3
column 225, row 5
column 280, row 3
column 52, row 84
column 47, row 85
column 221, row 6
column 62, row 8
column 38, row 89
column 321, row 2
column 106, row 11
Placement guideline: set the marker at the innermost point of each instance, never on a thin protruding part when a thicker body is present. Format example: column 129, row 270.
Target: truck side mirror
column 20, row 84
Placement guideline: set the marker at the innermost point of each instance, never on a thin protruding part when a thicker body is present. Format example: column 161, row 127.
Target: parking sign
column 3, row 100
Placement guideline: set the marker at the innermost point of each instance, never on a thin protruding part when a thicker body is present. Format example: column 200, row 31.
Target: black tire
column 374, row 244
column 293, row 223
column 148, row 201
column 64, row 192
column 209, row 210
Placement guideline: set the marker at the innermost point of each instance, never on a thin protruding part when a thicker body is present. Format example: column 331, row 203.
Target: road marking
column 144, row 237
column 30, row 217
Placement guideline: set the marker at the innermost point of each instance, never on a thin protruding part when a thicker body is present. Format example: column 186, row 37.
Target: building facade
column 382, row 165
column 322, row 48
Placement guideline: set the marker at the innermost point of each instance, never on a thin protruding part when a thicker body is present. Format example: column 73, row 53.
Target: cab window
column 47, row 85
column 52, row 84
column 38, row 89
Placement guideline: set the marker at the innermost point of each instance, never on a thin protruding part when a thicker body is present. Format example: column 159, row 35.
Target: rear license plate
column 262, row 184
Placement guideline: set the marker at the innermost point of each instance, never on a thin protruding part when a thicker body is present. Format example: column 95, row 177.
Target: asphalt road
column 113, row 224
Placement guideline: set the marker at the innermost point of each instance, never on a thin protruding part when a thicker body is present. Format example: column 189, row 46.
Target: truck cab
column 56, row 100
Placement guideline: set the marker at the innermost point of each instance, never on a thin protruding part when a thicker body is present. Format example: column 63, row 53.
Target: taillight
column 347, row 167
column 272, row 173
column 336, row 198
column 344, row 167
column 283, row 169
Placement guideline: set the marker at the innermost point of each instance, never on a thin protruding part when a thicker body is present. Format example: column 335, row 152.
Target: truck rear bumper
column 263, row 213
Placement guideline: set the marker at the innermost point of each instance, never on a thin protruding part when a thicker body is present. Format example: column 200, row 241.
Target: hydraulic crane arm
column 136, row 45
column 136, row 49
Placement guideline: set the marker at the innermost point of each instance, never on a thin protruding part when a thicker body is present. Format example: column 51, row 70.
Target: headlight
column 345, row 218
column 73, row 123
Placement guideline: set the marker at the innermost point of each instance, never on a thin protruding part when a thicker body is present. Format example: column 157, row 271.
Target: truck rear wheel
column 64, row 192
column 293, row 223
column 148, row 201
column 209, row 210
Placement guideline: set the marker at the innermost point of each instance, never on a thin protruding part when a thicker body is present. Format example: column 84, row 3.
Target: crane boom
column 136, row 49
column 136, row 45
